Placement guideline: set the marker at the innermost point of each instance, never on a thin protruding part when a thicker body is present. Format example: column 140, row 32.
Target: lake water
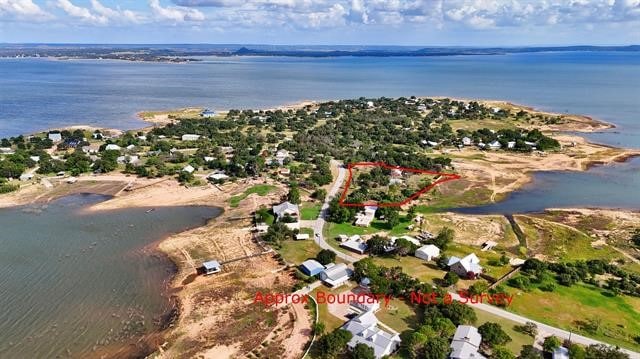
column 37, row 94
column 71, row 279
column 608, row 186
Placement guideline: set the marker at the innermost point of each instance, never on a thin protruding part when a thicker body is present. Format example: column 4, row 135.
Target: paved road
column 549, row 330
column 319, row 224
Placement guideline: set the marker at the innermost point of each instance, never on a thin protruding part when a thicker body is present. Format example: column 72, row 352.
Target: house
column 370, row 104
column 282, row 155
column 142, row 138
column 209, row 158
column 335, row 275
column 511, row 144
column 466, row 141
column 432, row 143
column 488, row 245
column 128, row 159
column 262, row 227
column 288, row 210
column 130, row 147
column 112, row 147
column 6, row 151
column 355, row 245
column 364, row 218
column 188, row 169
column 428, row 252
column 211, row 267
column 465, row 343
column 467, row 267
column 285, row 171
column 55, row 136
column 495, row 145
column 365, row 330
column 207, row 113
column 90, row 149
column 189, row 137
column 422, row 107
column 35, row 158
column 216, row 176
column 26, row 177
column 302, row 236
column 560, row 353
column 311, row 267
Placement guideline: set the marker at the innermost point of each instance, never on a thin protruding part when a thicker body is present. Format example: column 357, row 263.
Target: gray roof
column 284, row 208
column 465, row 343
column 365, row 330
column 312, row 266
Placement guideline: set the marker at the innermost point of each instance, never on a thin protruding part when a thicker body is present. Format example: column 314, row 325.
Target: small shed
column 211, row 267
column 311, row 267
column 302, row 236
column 428, row 252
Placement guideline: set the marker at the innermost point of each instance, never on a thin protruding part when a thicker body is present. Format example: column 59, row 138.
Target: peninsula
column 279, row 173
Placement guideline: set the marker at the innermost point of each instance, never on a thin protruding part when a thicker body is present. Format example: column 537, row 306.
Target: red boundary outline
column 444, row 177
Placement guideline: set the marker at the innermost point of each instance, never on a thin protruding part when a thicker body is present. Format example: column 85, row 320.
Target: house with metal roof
column 428, row 252
column 355, row 245
column 207, row 113
column 55, row 136
column 311, row 267
column 465, row 343
column 467, row 267
column 288, row 209
column 365, row 331
column 211, row 267
column 335, row 275
column 190, row 137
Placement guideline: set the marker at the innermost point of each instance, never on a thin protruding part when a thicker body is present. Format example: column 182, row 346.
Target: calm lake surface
column 71, row 280
column 37, row 94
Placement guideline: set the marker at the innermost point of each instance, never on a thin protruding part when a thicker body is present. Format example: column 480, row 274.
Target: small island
column 279, row 173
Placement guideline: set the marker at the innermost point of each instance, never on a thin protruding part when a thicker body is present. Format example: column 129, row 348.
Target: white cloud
column 81, row 13
column 116, row 15
column 175, row 13
column 23, row 10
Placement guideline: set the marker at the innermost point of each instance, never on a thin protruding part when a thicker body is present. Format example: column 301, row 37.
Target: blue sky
column 353, row 22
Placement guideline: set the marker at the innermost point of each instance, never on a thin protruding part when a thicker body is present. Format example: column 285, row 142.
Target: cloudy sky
column 367, row 22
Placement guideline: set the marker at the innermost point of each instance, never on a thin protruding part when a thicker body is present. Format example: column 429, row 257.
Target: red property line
column 444, row 177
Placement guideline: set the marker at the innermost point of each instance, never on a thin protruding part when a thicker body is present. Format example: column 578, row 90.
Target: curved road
column 549, row 330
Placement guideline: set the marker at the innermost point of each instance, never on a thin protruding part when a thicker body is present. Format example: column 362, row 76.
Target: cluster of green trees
column 523, row 139
column 544, row 275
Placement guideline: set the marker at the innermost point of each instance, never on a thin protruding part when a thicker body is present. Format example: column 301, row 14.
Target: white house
column 55, row 137
column 465, row 343
column 282, row 155
column 35, row 158
column 302, row 236
column 112, row 147
column 335, row 275
column 217, row 176
column 364, row 218
column 207, row 113
column 188, row 169
column 467, row 267
column 428, row 252
column 288, row 209
column 511, row 144
column 6, row 151
column 466, row 141
column 495, row 145
column 355, row 245
column 26, row 177
column 370, row 104
column 365, row 331
column 133, row 159
column 189, row 137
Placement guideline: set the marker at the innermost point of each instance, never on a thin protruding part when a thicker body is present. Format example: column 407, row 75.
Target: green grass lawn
column 333, row 230
column 461, row 250
column 415, row 267
column 296, row 252
column 398, row 315
column 570, row 307
column 517, row 339
column 260, row 189
column 310, row 211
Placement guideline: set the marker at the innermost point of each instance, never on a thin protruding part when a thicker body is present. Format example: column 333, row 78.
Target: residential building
column 335, row 275
column 365, row 330
column 288, row 210
column 311, row 267
column 190, row 137
column 211, row 267
column 466, row 141
column 467, row 267
column 208, row 113
column 364, row 218
column 355, row 245
column 302, row 236
column 465, row 343
column 188, row 169
column 495, row 145
column 428, row 252
column 112, row 147
column 560, row 353
column 55, row 136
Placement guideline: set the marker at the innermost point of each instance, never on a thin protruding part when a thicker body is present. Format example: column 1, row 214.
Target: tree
column 320, row 194
column 493, row 335
column 362, row 351
column 319, row 328
column 436, row 348
column 501, row 353
column 458, row 313
column 450, row 279
column 294, row 194
column 326, row 256
column 528, row 328
column 377, row 245
column 598, row 351
column 577, row 351
column 551, row 343
column 635, row 237
column 529, row 352
column 334, row 343
column 444, row 237
column 479, row 288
